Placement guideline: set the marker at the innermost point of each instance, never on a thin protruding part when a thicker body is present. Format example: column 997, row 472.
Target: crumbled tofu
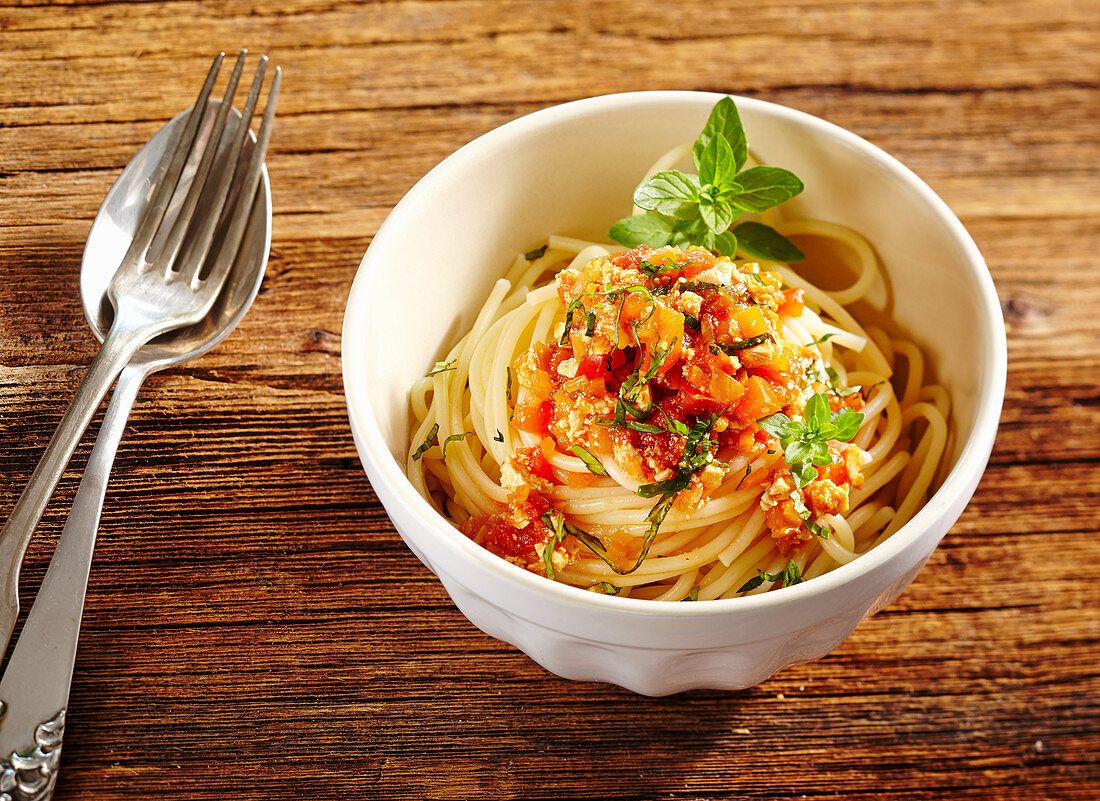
column 720, row 273
column 510, row 478
column 568, row 368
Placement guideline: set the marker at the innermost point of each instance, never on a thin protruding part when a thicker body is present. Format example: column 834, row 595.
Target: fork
column 158, row 287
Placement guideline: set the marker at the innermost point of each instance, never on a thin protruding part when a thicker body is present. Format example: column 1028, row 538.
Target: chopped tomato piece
column 534, row 417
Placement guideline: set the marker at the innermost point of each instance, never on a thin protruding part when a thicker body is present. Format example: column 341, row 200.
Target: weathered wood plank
column 256, row 629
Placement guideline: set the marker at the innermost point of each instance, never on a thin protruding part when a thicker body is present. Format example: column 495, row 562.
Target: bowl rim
column 382, row 467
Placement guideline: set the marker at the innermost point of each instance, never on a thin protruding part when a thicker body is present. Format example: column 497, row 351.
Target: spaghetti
column 668, row 424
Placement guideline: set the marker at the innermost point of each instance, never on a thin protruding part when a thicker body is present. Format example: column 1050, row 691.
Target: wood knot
column 1020, row 309
column 1025, row 316
column 321, row 341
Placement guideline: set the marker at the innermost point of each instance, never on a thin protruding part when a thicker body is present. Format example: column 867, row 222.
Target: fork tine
column 165, row 258
column 200, row 242
column 241, row 210
column 168, row 174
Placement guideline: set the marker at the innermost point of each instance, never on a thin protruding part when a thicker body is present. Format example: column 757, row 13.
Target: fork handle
column 119, row 347
column 34, row 689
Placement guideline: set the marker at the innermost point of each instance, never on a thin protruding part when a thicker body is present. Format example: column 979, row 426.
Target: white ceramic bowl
column 571, row 169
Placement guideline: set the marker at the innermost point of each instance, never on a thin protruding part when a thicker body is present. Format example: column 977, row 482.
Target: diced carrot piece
column 751, row 322
column 759, row 400
column 793, row 303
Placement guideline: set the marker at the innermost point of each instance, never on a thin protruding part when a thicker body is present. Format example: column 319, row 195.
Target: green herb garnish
column 499, row 437
column 748, row 470
column 698, row 453
column 454, row 438
column 825, row 338
column 536, row 254
column 572, row 307
column 557, row 534
column 790, row 575
column 731, row 348
column 683, row 209
column 442, row 367
column 693, row 595
column 590, row 461
column 806, row 442
column 818, row 529
column 428, row 442
column 606, row 587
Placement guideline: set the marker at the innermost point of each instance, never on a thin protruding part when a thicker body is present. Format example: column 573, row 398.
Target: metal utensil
column 34, row 688
column 164, row 280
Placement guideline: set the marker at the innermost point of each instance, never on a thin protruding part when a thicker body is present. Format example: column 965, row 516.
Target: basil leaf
column 803, row 473
column 799, row 505
column 428, row 442
column 731, row 348
column 454, row 438
column 817, row 411
column 725, row 244
column 606, row 587
column 797, row 451
column 847, row 425
column 668, row 192
column 692, row 231
column 693, row 595
column 777, row 424
column 818, row 529
column 763, row 188
column 717, row 165
column 755, row 581
column 678, row 482
column 791, row 574
column 499, row 437
column 442, row 367
column 692, row 322
column 748, row 470
column 820, row 453
column 570, row 309
column 825, row 338
column 642, row 428
column 717, row 214
column 536, row 254
column 651, row 229
column 724, row 122
column 763, row 242
column 590, row 461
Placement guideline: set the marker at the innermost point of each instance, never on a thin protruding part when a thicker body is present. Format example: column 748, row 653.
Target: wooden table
column 254, row 626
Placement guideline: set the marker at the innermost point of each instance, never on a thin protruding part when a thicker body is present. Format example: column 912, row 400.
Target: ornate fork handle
column 34, row 690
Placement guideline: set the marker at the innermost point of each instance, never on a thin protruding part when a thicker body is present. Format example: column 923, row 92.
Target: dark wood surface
column 254, row 626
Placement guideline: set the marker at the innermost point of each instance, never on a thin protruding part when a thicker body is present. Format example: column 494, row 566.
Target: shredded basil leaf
column 428, row 442
column 442, row 367
column 731, row 348
column 790, row 574
column 591, row 462
column 454, row 438
column 748, row 469
column 536, row 254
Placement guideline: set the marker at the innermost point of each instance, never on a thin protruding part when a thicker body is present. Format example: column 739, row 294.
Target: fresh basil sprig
column 683, row 209
column 806, row 442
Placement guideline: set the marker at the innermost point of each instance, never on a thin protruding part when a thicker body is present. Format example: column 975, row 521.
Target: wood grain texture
column 254, row 627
